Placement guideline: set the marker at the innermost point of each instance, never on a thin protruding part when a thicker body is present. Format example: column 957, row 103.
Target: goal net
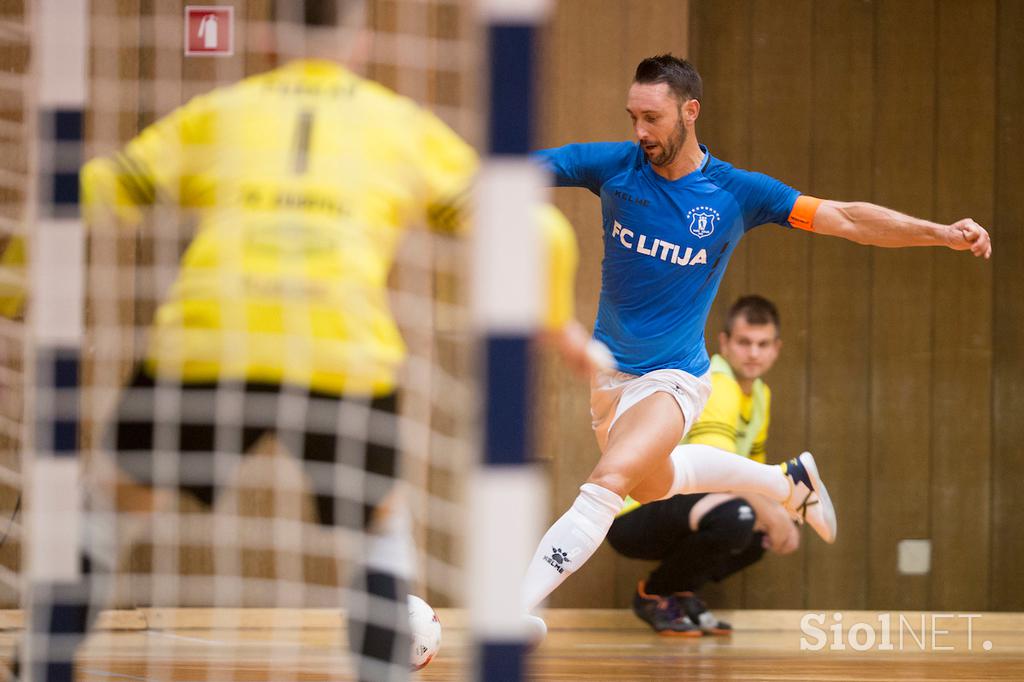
column 16, row 131
column 237, row 475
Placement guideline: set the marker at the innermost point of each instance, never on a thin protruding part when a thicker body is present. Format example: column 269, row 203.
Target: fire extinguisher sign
column 209, row 30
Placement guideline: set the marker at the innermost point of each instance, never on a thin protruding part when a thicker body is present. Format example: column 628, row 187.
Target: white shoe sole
column 827, row 510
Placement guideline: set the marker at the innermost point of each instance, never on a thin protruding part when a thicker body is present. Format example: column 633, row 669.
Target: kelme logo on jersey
column 702, row 221
column 658, row 248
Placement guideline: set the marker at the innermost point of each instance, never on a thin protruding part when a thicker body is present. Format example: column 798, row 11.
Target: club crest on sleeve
column 702, row 221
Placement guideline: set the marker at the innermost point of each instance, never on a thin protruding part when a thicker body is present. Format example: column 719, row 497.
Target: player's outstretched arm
column 874, row 225
column 580, row 353
column 149, row 167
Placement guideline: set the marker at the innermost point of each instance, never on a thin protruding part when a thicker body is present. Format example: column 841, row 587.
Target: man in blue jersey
column 672, row 215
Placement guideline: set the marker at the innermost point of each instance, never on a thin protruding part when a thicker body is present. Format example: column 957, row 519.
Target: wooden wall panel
column 722, row 51
column 16, row 113
column 962, row 310
column 901, row 330
column 778, row 258
column 1007, row 532
column 662, row 26
column 588, row 83
column 839, row 305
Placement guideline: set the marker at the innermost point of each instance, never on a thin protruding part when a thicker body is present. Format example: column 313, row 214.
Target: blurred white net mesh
column 16, row 118
column 269, row 472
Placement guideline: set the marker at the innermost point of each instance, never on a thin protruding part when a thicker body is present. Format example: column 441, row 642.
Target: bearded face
column 664, row 153
column 657, row 116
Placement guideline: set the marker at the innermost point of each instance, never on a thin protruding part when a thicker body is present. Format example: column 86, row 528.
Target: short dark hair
column 754, row 309
column 320, row 13
column 681, row 75
column 315, row 13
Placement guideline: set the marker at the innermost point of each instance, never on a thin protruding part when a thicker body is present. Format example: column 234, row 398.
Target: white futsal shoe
column 808, row 500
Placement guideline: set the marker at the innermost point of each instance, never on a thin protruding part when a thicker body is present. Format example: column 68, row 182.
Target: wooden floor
column 581, row 645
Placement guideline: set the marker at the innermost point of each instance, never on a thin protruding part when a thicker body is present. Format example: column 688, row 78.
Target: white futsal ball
column 426, row 632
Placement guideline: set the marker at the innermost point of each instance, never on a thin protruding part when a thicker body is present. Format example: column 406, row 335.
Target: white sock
column 704, row 469
column 389, row 543
column 570, row 542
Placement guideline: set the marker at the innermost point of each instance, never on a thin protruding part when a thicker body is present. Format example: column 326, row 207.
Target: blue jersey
column 666, row 245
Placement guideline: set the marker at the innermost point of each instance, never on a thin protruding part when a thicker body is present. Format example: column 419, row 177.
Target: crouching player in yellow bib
column 697, row 538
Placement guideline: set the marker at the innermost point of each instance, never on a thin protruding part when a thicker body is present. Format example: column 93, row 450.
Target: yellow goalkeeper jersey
column 732, row 420
column 302, row 180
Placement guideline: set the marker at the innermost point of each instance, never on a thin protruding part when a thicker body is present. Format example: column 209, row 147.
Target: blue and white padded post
column 56, row 312
column 506, row 492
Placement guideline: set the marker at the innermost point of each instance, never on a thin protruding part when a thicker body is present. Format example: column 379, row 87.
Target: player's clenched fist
column 966, row 234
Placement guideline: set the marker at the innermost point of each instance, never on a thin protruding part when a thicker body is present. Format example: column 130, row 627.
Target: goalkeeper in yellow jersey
column 301, row 182
column 697, row 538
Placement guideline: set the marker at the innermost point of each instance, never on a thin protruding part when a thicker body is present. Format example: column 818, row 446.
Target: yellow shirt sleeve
column 717, row 424
column 562, row 260
column 160, row 162
column 448, row 164
column 448, row 168
column 757, row 449
column 12, row 278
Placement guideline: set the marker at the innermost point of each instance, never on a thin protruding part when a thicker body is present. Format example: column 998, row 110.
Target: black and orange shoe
column 663, row 614
column 697, row 611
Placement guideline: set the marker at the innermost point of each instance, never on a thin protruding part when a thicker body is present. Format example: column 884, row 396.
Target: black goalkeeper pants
column 725, row 542
column 197, row 424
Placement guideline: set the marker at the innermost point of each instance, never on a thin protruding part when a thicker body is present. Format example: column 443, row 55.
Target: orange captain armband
column 802, row 215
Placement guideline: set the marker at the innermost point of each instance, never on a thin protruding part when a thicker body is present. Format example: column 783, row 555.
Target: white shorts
column 612, row 393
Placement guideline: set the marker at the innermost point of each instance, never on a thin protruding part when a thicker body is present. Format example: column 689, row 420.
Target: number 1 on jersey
column 303, row 132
